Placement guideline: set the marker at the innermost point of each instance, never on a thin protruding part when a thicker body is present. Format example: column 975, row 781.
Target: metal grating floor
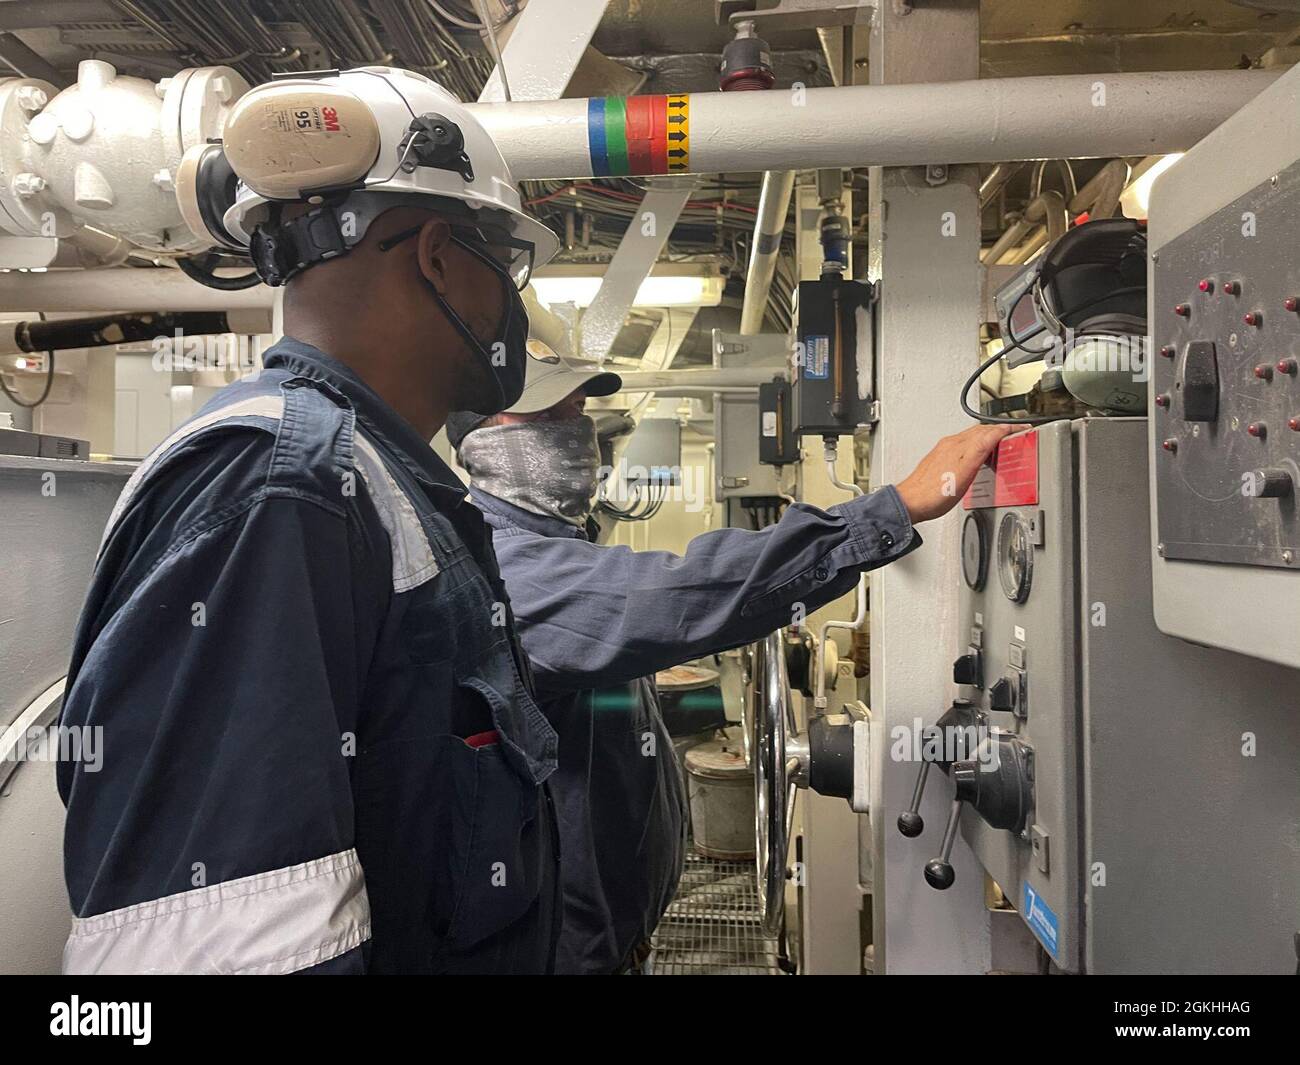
column 712, row 926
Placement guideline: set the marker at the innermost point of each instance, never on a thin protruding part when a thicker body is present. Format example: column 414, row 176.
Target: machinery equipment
column 1225, row 384
column 834, row 358
column 777, row 444
column 832, row 757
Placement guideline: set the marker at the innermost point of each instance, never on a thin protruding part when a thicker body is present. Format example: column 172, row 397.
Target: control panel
column 1095, row 765
column 1226, row 329
column 1224, row 387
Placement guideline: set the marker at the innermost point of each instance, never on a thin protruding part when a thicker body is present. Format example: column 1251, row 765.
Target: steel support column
column 924, row 247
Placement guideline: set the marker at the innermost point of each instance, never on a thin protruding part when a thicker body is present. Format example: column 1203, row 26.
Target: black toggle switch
column 1200, row 382
column 1002, row 696
column 969, row 669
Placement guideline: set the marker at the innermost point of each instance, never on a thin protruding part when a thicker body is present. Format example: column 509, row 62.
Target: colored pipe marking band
column 639, row 135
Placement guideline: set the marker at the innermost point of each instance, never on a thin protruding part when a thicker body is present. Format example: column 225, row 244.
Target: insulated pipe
column 985, row 121
column 1100, row 196
column 63, row 333
column 1049, row 207
column 769, row 227
column 997, row 178
column 121, row 288
column 711, row 379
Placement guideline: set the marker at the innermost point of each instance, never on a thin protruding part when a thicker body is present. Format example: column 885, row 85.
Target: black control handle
column 910, row 822
column 938, row 871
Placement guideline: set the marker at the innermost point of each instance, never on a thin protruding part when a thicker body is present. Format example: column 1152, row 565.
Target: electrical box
column 1225, row 384
column 777, row 444
column 739, row 469
column 834, row 364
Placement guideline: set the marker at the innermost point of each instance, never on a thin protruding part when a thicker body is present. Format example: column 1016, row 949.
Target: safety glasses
column 492, row 246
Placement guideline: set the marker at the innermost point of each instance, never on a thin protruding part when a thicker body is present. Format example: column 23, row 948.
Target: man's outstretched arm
column 592, row 616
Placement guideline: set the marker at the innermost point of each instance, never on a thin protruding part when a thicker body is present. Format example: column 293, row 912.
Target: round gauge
column 1015, row 557
column 974, row 551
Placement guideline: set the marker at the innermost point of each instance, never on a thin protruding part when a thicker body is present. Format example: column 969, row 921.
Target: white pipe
column 769, row 226
column 986, row 121
column 746, row 377
column 121, row 289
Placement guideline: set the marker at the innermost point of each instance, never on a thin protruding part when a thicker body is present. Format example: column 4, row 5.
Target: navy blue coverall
column 321, row 750
column 597, row 622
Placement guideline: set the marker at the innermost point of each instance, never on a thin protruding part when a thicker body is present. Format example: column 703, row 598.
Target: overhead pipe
column 1048, row 207
column 985, row 121
column 695, row 378
column 1099, row 196
column 996, row 181
column 769, row 228
column 61, row 334
column 746, row 66
column 121, row 288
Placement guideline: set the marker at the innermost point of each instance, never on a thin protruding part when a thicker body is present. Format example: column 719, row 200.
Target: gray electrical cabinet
column 1225, row 384
column 740, row 472
column 1134, row 796
column 52, row 514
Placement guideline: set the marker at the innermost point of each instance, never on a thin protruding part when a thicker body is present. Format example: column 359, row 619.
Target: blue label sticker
column 817, row 358
column 1041, row 920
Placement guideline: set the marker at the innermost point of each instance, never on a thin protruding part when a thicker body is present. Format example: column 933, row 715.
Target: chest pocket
column 494, row 856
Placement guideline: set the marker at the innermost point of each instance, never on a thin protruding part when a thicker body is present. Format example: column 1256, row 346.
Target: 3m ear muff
column 205, row 191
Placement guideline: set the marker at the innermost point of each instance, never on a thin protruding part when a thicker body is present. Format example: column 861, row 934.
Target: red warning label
column 1009, row 478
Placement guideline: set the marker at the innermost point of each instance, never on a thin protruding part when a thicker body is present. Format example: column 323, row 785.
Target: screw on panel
column 1288, row 556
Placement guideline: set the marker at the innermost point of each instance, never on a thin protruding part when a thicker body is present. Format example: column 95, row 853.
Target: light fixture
column 1136, row 199
column 669, row 285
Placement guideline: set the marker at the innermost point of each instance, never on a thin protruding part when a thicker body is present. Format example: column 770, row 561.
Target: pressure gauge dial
column 1015, row 557
column 974, row 551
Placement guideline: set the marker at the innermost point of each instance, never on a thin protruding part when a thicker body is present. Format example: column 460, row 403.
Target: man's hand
column 942, row 477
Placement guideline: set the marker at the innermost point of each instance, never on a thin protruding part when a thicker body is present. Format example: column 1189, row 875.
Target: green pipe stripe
column 616, row 134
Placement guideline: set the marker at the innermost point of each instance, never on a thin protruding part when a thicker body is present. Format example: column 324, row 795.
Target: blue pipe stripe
column 596, row 146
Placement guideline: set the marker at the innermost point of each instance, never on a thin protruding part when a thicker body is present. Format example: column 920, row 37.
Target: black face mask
column 506, row 357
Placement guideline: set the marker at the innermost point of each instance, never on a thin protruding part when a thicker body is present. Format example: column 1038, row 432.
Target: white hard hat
column 353, row 144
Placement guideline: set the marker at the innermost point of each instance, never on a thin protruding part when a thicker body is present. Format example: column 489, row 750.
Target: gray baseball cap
column 549, row 379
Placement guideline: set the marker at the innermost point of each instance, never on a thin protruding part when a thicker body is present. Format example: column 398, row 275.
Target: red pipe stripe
column 640, row 134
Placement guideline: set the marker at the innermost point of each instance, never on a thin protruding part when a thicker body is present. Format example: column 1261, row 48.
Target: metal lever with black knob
column 997, row 782
column 938, row 871
column 955, row 721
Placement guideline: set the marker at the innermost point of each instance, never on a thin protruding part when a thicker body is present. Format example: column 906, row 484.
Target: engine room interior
column 652, row 345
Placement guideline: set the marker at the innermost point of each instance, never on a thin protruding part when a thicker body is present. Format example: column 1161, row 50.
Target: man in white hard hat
column 322, row 748
column 599, row 621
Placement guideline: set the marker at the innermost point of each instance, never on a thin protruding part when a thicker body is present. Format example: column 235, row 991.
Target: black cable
column 49, row 381
column 45, row 394
column 209, row 278
column 1018, row 345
